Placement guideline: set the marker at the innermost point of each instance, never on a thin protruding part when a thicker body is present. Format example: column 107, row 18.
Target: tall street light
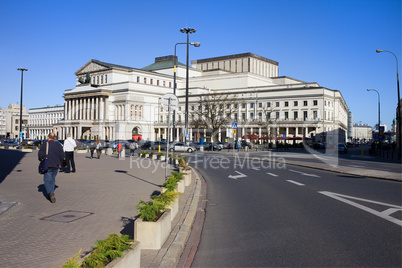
column 188, row 31
column 22, row 79
column 398, row 113
column 379, row 115
column 196, row 44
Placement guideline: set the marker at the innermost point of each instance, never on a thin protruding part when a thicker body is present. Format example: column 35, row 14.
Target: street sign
column 284, row 137
column 174, row 102
column 234, row 131
column 234, row 126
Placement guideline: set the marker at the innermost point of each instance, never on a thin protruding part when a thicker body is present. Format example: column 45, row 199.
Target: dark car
column 155, row 145
column 341, row 148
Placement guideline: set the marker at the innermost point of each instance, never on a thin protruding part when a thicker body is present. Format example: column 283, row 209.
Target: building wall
column 42, row 121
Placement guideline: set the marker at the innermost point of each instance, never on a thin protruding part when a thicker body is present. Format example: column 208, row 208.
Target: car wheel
column 171, row 150
column 189, row 150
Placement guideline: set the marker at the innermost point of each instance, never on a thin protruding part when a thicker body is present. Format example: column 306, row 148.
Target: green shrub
column 150, row 211
column 107, row 250
column 160, row 154
column 167, row 197
column 73, row 262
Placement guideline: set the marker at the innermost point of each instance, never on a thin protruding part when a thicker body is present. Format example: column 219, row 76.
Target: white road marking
column 272, row 174
column 295, row 182
column 235, row 177
column 386, row 214
column 305, row 174
column 255, row 168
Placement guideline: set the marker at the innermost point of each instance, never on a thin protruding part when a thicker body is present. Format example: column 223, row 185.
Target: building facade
column 43, row 121
column 118, row 102
column 362, row 132
column 10, row 121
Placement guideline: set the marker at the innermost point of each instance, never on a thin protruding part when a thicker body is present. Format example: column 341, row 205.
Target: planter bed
column 152, row 235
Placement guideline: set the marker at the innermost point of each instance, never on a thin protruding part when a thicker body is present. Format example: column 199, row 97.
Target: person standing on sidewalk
column 55, row 155
column 68, row 147
column 92, row 147
column 119, row 147
column 98, row 148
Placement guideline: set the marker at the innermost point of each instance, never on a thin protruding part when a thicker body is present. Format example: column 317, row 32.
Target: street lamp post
column 398, row 112
column 188, row 31
column 22, row 79
column 379, row 115
column 196, row 44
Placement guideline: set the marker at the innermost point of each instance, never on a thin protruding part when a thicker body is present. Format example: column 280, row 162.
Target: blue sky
column 332, row 43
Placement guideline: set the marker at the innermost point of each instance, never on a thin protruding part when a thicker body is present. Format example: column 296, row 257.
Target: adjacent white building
column 117, row 102
column 362, row 132
column 10, row 121
column 43, row 121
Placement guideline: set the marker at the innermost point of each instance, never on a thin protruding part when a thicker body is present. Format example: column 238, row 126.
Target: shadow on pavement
column 125, row 172
column 9, row 159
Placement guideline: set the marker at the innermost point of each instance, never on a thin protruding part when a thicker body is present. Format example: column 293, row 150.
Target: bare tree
column 215, row 111
column 270, row 120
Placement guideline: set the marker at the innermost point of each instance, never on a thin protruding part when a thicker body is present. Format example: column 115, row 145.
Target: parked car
column 341, row 148
column 155, row 145
column 218, row 146
column 27, row 142
column 196, row 145
column 182, row 147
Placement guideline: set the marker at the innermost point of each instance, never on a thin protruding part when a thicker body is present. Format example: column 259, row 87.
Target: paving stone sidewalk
column 104, row 191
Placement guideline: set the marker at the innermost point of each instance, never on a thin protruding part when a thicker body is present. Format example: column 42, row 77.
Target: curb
column 176, row 248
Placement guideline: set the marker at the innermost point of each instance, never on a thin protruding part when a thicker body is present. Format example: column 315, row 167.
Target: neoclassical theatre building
column 117, row 102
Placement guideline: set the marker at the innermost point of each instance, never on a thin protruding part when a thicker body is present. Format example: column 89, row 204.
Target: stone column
column 296, row 131
column 101, row 109
column 69, row 109
column 92, row 110
column 96, row 108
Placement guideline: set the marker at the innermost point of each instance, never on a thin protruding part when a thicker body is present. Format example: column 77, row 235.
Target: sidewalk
column 97, row 200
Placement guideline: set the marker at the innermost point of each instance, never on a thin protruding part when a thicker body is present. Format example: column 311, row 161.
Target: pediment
column 91, row 66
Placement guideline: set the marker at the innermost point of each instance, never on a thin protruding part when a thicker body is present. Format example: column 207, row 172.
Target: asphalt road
column 261, row 216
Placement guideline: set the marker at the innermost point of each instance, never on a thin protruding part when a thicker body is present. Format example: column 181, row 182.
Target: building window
column 145, row 80
column 151, row 81
column 295, row 103
column 305, row 103
column 252, row 116
column 277, row 115
column 315, row 102
column 97, row 79
column 286, row 103
column 157, row 82
column 268, row 104
column 295, row 115
column 93, row 80
column 286, row 115
column 277, row 104
column 236, row 106
column 305, row 115
column 138, row 79
column 235, row 116
column 170, row 84
column 315, row 114
column 243, row 116
column 228, row 106
column 260, row 105
column 251, row 105
column 260, row 116
column 164, row 83
column 243, row 105
column 192, row 108
column 105, row 78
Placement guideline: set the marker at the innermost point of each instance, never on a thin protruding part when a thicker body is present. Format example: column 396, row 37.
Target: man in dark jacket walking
column 55, row 156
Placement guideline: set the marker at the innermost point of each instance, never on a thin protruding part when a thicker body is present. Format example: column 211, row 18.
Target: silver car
column 182, row 147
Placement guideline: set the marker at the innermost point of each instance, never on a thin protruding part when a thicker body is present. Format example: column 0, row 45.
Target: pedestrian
column 55, row 154
column 119, row 147
column 68, row 147
column 133, row 147
column 98, row 148
column 92, row 147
